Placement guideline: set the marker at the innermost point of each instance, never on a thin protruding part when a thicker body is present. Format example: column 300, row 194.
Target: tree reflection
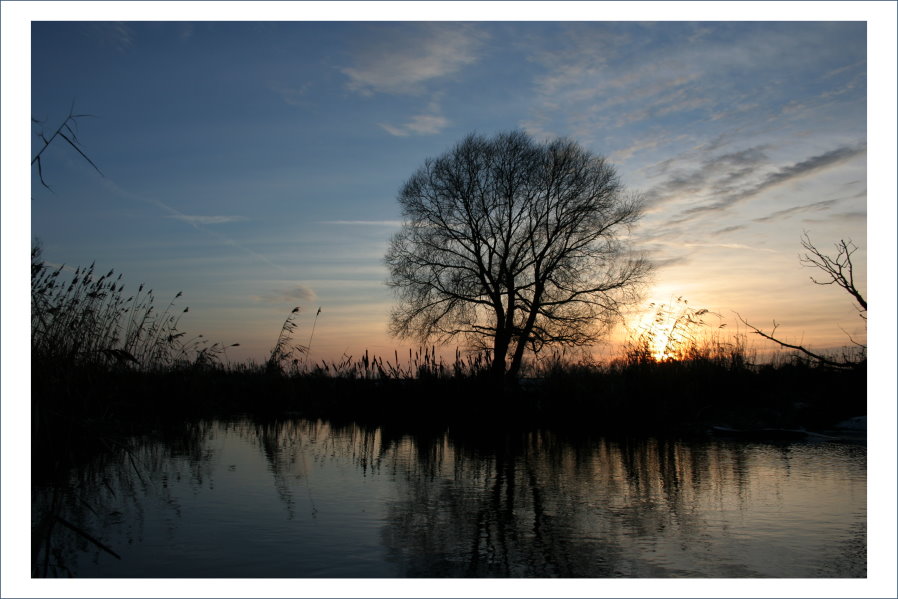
column 476, row 503
column 533, row 505
column 536, row 504
column 73, row 512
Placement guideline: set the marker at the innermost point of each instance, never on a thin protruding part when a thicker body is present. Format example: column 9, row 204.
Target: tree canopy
column 513, row 245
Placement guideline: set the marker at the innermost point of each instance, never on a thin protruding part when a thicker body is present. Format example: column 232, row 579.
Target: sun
column 659, row 332
column 659, row 343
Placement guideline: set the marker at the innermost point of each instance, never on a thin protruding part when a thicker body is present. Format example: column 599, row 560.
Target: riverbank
column 81, row 410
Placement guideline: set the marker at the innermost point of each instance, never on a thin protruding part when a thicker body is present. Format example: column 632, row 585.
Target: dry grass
column 85, row 319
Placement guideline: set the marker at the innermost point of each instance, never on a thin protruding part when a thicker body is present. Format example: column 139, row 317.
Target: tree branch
column 802, row 349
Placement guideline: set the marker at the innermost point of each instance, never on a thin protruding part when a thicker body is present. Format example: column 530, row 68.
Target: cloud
column 781, row 214
column 422, row 124
column 370, row 223
column 670, row 243
column 848, row 67
column 402, row 64
column 298, row 292
column 185, row 31
column 858, row 216
column 642, row 145
column 728, row 246
column 206, row 220
column 812, row 165
column 730, row 229
column 732, row 81
column 600, row 78
column 118, row 36
column 660, row 263
column 193, row 221
column 749, row 157
column 294, row 96
column 664, row 254
column 719, row 174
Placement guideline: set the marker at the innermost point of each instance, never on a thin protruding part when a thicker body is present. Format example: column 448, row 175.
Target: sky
column 254, row 166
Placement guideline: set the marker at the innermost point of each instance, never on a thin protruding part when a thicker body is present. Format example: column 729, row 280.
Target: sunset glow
column 263, row 168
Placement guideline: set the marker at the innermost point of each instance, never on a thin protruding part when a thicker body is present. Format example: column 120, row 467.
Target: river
column 308, row 498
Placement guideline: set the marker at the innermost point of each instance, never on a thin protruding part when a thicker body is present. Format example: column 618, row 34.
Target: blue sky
column 254, row 166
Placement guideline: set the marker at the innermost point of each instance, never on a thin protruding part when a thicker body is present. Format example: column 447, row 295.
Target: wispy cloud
column 857, row 216
column 714, row 175
column 598, row 80
column 294, row 96
column 669, row 261
column 190, row 220
column 410, row 55
column 641, row 145
column 118, row 36
column 429, row 122
column 781, row 214
column 365, row 223
column 421, row 124
column 196, row 219
column 671, row 243
column 730, row 229
column 728, row 246
column 813, row 165
column 298, row 292
column 185, row 31
column 846, row 68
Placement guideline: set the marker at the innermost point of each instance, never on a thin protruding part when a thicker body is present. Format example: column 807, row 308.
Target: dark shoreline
column 81, row 411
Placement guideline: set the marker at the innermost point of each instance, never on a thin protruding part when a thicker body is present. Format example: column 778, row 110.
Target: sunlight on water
column 309, row 499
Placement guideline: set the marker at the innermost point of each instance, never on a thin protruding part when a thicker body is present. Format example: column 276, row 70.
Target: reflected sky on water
column 299, row 498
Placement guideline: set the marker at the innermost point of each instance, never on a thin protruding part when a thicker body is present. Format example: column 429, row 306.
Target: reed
column 284, row 354
column 423, row 363
column 86, row 320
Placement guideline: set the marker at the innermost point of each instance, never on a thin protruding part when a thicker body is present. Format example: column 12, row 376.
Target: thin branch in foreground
column 67, row 131
column 800, row 348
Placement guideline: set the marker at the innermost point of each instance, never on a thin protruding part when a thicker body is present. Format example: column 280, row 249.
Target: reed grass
column 422, row 364
column 86, row 320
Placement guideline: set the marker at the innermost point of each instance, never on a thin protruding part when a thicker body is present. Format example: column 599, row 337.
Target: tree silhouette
column 840, row 271
column 513, row 245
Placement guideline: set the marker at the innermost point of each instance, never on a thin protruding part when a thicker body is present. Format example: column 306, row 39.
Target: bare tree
column 513, row 245
column 839, row 270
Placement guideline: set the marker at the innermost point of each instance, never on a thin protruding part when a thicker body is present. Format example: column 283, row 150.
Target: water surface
column 300, row 498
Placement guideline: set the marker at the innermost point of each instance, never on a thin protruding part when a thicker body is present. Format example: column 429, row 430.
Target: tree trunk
column 504, row 327
column 518, row 356
column 516, row 360
column 500, row 351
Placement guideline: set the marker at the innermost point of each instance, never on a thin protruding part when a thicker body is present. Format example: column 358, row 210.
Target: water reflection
column 70, row 515
column 537, row 506
column 342, row 500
